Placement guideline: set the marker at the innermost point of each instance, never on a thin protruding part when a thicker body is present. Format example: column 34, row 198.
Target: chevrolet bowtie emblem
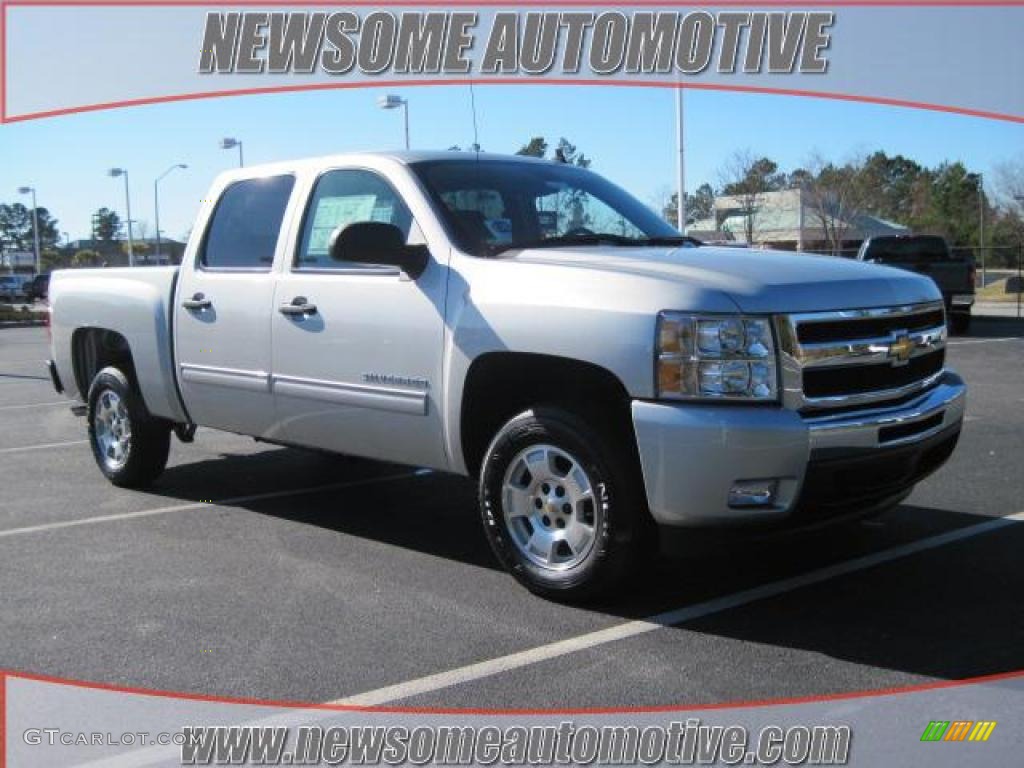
column 901, row 349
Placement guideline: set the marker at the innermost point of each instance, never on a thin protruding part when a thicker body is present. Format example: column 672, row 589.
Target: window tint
column 246, row 223
column 341, row 198
column 908, row 249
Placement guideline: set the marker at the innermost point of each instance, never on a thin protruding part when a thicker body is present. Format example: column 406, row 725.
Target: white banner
column 75, row 57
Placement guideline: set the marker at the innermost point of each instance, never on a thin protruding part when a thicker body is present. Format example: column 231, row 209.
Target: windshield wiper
column 594, row 238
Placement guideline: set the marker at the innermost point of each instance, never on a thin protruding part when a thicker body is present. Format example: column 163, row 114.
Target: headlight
column 709, row 357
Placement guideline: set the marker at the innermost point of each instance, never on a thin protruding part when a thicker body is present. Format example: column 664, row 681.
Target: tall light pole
column 156, row 203
column 391, row 101
column 981, row 225
column 680, row 168
column 229, row 143
column 35, row 221
column 114, row 173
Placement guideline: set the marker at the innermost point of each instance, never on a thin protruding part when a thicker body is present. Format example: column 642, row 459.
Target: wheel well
column 93, row 349
column 500, row 385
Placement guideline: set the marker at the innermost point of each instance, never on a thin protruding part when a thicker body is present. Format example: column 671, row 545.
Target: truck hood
column 757, row 281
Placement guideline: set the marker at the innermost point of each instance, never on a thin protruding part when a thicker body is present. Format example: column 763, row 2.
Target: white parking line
column 496, row 666
column 41, row 446
column 56, row 526
column 964, row 342
column 35, row 405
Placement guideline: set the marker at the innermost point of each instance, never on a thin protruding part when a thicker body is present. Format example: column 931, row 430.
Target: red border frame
column 893, row 691
column 559, row 81
column 3, row 720
column 4, row 4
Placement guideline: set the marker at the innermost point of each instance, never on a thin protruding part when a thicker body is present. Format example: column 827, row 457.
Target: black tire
column 960, row 322
column 149, row 441
column 622, row 527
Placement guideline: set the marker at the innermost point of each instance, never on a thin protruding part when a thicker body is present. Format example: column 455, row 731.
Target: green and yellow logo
column 958, row 730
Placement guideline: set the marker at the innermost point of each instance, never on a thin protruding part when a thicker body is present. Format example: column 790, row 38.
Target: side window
column 245, row 225
column 344, row 197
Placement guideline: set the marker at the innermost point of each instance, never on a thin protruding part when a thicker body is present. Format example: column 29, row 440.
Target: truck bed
column 135, row 303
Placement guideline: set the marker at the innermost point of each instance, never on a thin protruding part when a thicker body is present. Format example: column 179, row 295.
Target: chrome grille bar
column 872, row 351
column 874, row 345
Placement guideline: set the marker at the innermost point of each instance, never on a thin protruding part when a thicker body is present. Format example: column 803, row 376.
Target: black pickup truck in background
column 929, row 255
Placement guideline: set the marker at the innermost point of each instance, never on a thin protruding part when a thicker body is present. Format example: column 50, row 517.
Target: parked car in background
column 930, row 255
column 38, row 287
column 12, row 288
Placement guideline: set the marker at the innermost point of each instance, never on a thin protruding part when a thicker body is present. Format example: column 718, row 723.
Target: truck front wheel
column 129, row 445
column 562, row 505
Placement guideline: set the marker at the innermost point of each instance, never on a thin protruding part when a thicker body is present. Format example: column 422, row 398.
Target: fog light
column 752, row 493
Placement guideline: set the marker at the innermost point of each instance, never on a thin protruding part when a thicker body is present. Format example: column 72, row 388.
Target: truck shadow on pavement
column 950, row 612
column 992, row 327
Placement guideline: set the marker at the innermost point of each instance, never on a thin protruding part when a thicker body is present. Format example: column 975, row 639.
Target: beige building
column 785, row 220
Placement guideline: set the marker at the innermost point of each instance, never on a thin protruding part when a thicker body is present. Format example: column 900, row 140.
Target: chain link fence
column 999, row 281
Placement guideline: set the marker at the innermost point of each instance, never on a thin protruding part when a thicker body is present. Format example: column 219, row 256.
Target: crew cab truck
column 531, row 325
column 930, row 255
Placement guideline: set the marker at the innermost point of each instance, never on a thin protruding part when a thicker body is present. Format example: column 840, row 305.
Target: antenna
column 476, row 133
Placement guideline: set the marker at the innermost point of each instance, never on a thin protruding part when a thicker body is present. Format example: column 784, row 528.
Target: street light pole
column 156, row 203
column 680, row 167
column 114, row 173
column 35, row 222
column 391, row 101
column 981, row 225
column 230, row 143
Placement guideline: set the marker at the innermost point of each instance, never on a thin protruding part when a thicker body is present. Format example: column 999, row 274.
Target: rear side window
column 246, row 223
column 894, row 250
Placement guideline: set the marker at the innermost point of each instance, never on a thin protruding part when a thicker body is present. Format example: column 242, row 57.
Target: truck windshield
column 493, row 205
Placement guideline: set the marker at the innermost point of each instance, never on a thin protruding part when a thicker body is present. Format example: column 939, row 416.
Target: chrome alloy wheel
column 550, row 508
column 112, row 429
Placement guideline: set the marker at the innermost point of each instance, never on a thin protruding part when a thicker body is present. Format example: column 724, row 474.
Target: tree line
column 947, row 199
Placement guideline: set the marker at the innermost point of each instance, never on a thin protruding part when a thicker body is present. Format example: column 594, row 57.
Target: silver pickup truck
column 528, row 324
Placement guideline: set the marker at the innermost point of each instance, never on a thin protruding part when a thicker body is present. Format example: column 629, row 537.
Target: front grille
column 841, row 380
column 854, row 358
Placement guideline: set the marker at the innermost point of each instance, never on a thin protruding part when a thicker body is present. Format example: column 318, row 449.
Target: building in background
column 787, row 220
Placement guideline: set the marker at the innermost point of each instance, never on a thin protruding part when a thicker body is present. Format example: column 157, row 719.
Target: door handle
column 299, row 306
column 198, row 301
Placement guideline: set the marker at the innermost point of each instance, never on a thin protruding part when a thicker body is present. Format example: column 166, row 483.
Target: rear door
column 222, row 321
column 360, row 372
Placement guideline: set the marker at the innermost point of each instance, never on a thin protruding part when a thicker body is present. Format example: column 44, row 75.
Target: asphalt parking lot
column 258, row 571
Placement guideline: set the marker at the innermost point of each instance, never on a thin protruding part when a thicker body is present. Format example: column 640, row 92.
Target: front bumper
column 692, row 455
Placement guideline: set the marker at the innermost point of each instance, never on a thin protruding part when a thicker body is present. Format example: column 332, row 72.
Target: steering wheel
column 578, row 231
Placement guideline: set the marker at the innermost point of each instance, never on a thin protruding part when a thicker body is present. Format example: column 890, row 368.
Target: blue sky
column 629, row 133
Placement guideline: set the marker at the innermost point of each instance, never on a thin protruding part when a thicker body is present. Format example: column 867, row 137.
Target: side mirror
column 374, row 242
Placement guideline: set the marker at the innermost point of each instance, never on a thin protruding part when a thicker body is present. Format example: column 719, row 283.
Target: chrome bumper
column 935, row 410
column 692, row 455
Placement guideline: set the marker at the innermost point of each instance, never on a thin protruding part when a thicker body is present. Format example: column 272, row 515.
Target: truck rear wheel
column 129, row 445
column 562, row 506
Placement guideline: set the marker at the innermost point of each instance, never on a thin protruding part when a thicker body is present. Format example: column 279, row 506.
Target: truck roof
column 404, row 157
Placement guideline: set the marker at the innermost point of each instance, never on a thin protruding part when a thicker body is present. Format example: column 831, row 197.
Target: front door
column 360, row 371
column 225, row 301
